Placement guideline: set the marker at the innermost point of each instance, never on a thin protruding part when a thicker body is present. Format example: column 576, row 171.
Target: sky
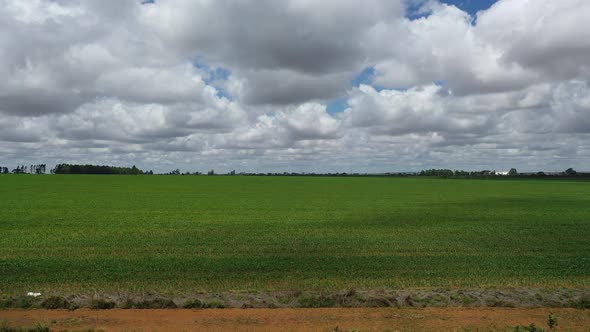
column 471, row 6
column 296, row 85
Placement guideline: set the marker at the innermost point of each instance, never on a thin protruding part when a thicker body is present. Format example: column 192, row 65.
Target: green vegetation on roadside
column 71, row 234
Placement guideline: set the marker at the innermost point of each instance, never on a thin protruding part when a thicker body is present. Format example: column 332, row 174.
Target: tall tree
column 570, row 172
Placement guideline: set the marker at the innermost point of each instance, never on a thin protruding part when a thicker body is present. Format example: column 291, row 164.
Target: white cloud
column 418, row 110
column 286, row 129
column 117, row 82
column 445, row 46
column 544, row 37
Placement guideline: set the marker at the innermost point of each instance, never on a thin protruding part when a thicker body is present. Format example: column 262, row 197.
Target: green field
column 179, row 234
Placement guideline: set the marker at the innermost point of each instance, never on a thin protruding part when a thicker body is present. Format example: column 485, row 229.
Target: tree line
column 443, row 172
column 96, row 169
column 24, row 169
column 447, row 172
column 487, row 173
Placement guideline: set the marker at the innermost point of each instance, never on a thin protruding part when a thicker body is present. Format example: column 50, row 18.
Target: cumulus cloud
column 13, row 129
column 509, row 46
column 541, row 36
column 314, row 37
column 285, row 129
column 567, row 111
column 297, row 50
column 418, row 110
column 446, row 46
column 284, row 87
column 253, row 84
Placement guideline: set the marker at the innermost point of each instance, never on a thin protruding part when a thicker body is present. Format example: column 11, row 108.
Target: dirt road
column 337, row 319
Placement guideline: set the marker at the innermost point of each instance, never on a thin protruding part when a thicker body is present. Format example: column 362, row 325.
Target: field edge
column 353, row 298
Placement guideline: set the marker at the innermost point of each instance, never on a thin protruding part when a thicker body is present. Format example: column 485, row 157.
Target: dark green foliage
column 22, row 302
column 214, row 305
column 155, row 304
column 437, row 172
column 582, row 303
column 95, row 169
column 192, row 304
column 378, row 303
column 321, row 301
column 552, row 321
column 463, row 299
column 495, row 302
column 529, row 328
column 128, row 304
column 40, row 327
column 570, row 172
column 55, row 302
column 102, row 304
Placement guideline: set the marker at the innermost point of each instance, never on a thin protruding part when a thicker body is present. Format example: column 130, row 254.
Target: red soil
column 345, row 319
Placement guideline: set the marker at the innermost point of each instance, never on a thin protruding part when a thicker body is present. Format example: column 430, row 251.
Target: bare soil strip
column 299, row 319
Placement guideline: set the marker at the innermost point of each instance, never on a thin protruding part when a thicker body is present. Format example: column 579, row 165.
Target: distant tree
column 570, row 172
column 175, row 172
column 461, row 173
column 37, row 169
column 232, row 173
column 512, row 172
column 211, row 172
column 135, row 170
column 486, row 172
column 437, row 172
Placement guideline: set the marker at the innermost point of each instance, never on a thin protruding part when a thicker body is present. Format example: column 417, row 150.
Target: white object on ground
column 33, row 294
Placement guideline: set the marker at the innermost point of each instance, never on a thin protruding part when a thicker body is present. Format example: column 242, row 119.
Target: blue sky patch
column 214, row 76
column 337, row 105
column 364, row 77
column 469, row 6
column 213, row 73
